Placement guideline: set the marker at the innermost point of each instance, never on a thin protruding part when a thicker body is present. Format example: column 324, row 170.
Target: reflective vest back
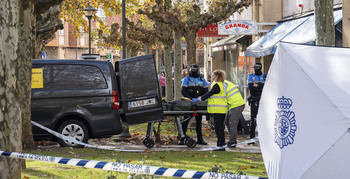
column 217, row 103
column 233, row 96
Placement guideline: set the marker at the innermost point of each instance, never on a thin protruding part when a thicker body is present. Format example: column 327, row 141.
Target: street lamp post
column 89, row 12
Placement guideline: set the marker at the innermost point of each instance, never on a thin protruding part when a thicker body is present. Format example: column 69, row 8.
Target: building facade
column 66, row 44
column 231, row 53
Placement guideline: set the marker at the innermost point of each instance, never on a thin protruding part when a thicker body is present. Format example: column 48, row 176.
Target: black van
column 77, row 98
column 88, row 99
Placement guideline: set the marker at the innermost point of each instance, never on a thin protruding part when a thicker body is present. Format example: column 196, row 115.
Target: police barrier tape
column 125, row 167
column 71, row 139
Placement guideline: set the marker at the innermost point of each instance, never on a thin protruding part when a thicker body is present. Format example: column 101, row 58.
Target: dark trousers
column 163, row 91
column 254, row 106
column 198, row 126
column 219, row 124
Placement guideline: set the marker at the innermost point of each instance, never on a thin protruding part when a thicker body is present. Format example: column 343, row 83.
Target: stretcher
column 178, row 109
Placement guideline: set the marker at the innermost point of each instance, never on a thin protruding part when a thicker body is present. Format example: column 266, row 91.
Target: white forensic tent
column 304, row 113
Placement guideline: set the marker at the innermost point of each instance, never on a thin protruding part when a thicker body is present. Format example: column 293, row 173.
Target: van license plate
column 141, row 103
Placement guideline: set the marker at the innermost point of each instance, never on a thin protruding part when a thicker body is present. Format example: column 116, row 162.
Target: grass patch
column 247, row 163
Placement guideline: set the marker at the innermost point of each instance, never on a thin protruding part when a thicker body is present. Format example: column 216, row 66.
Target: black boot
column 201, row 141
column 181, row 141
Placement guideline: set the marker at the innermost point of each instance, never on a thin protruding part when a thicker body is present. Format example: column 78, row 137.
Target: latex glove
column 199, row 98
column 194, row 100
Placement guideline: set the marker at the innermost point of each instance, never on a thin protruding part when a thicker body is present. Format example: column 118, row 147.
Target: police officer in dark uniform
column 194, row 86
column 256, row 83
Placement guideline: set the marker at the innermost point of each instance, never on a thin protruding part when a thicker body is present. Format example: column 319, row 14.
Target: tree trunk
column 169, row 95
column 148, row 48
column 159, row 60
column 26, row 53
column 324, row 23
column 159, row 66
column 177, row 65
column 133, row 53
column 191, row 47
column 346, row 23
column 10, row 111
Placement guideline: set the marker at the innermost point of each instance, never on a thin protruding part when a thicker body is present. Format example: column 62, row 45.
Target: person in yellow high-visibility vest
column 217, row 105
column 235, row 108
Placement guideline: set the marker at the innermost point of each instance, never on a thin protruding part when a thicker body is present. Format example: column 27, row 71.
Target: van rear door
column 139, row 90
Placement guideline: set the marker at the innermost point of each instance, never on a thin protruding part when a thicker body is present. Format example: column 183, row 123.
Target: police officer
column 256, row 83
column 194, row 86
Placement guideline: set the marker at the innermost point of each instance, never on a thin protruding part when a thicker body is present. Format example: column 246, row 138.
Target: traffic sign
column 43, row 55
column 109, row 57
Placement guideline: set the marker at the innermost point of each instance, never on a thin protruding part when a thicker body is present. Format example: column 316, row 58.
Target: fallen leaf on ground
column 244, row 168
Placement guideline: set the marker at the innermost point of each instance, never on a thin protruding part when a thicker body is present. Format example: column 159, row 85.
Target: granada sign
column 237, row 28
column 210, row 31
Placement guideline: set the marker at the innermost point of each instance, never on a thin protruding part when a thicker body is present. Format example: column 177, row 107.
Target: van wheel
column 75, row 129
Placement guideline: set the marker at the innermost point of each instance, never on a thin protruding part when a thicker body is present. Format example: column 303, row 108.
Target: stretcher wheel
column 149, row 143
column 190, row 142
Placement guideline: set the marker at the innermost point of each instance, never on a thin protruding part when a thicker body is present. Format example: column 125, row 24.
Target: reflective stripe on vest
column 217, row 103
column 234, row 97
column 221, row 97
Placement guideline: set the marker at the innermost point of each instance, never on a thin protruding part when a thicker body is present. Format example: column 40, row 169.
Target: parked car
column 77, row 98
column 89, row 99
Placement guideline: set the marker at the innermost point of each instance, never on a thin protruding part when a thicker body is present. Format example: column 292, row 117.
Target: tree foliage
column 187, row 16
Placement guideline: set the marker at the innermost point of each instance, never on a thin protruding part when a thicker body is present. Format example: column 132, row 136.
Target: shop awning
column 306, row 33
column 300, row 30
column 227, row 41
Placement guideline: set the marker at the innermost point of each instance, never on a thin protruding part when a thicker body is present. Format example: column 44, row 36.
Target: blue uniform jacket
column 194, row 87
column 260, row 80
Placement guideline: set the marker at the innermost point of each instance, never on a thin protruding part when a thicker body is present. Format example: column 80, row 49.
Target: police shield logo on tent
column 285, row 124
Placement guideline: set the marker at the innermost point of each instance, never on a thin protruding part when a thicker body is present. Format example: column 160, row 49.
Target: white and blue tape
column 125, row 167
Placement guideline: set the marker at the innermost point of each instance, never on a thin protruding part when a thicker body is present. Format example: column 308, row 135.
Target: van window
column 63, row 77
column 143, row 82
